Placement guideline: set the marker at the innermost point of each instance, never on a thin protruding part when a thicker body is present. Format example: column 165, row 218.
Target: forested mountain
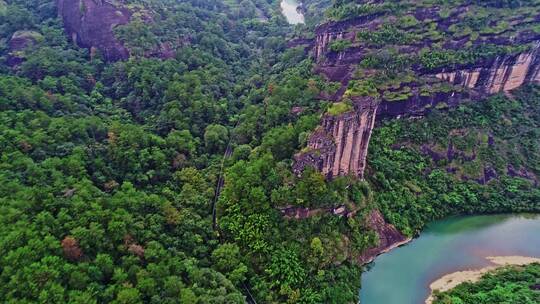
column 121, row 121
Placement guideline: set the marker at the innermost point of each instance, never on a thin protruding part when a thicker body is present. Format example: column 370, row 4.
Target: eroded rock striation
column 501, row 74
column 339, row 145
column 404, row 69
column 90, row 24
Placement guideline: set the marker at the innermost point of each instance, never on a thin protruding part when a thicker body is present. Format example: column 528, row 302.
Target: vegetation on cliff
column 109, row 170
column 346, row 9
column 476, row 158
column 338, row 108
column 423, row 38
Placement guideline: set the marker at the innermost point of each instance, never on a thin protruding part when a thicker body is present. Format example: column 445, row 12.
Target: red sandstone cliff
column 339, row 145
column 502, row 74
column 389, row 237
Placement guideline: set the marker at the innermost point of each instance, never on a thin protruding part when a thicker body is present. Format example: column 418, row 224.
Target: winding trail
column 221, row 178
column 220, row 183
column 219, row 186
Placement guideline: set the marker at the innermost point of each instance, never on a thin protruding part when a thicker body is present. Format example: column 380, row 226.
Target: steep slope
column 388, row 237
column 339, row 145
column 108, row 172
column 412, row 56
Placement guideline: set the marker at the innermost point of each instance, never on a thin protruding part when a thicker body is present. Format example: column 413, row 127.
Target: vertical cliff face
column 357, row 51
column 502, row 74
column 333, row 31
column 90, row 24
column 339, row 146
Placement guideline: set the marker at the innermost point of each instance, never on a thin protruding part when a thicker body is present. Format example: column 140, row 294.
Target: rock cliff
column 90, row 24
column 410, row 69
column 339, row 145
column 502, row 74
column 388, row 237
column 473, row 82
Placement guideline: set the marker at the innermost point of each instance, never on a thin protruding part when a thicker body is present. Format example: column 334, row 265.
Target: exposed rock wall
column 23, row 39
column 331, row 31
column 500, row 75
column 339, row 146
column 417, row 105
column 389, row 237
column 90, row 24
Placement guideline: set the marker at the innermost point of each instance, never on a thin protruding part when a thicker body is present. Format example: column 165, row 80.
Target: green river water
column 403, row 275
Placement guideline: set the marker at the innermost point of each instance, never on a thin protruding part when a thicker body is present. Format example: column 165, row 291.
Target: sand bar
column 451, row 280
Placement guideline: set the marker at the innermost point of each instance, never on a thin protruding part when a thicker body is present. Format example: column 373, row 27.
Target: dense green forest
column 415, row 186
column 507, row 285
column 109, row 170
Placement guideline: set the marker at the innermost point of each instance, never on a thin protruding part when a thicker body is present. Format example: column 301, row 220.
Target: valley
column 267, row 151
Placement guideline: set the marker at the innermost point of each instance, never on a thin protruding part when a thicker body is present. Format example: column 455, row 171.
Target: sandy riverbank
column 451, row 280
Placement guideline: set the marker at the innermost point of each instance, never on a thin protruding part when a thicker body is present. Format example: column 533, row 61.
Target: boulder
column 21, row 40
column 90, row 24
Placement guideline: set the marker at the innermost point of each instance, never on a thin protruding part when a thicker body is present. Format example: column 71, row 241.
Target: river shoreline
column 388, row 249
column 451, row 280
column 443, row 247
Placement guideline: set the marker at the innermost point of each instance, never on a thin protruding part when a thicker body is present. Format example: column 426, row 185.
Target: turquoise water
column 403, row 275
column 289, row 9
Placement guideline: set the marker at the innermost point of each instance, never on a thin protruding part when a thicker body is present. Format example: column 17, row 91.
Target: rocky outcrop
column 502, row 74
column 339, row 146
column 21, row 40
column 388, row 237
column 522, row 173
column 332, row 31
column 417, row 105
column 90, row 24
